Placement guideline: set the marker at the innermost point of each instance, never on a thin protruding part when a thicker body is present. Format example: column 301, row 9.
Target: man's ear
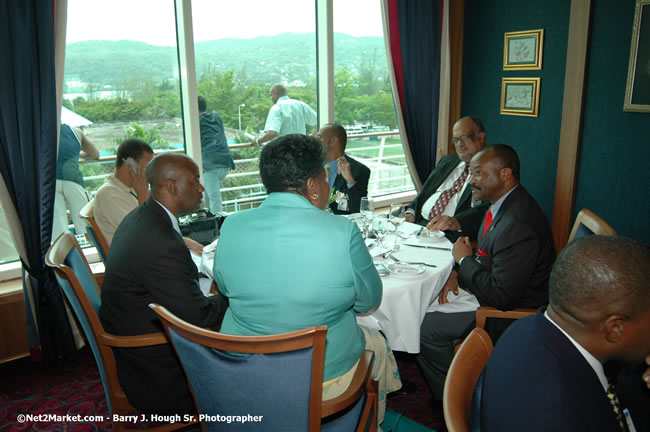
column 172, row 188
column 614, row 328
column 505, row 174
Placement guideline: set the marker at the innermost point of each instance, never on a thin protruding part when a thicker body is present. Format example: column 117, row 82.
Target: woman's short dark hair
column 287, row 162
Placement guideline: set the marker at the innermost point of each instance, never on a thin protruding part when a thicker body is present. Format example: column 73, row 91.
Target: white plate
column 430, row 235
column 404, row 269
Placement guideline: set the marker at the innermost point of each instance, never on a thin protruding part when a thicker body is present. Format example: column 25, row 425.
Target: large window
column 242, row 48
column 121, row 77
column 363, row 97
column 122, row 80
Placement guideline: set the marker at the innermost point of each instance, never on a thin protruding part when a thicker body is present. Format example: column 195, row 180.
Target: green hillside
column 286, row 57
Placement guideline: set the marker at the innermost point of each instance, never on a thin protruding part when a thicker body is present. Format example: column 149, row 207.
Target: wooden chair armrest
column 484, row 312
column 142, row 340
column 354, row 390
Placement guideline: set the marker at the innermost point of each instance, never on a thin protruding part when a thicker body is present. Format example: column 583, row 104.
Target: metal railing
column 389, row 172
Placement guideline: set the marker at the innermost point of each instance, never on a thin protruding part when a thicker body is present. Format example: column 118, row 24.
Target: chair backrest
column 589, row 223
column 462, row 377
column 93, row 233
column 278, row 377
column 78, row 284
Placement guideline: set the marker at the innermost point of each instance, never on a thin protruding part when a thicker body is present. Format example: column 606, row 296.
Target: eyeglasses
column 463, row 138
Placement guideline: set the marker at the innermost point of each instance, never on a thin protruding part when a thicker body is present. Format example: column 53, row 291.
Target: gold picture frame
column 637, row 89
column 522, row 50
column 520, row 96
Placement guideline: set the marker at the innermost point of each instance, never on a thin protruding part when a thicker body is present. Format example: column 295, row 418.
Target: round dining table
column 408, row 294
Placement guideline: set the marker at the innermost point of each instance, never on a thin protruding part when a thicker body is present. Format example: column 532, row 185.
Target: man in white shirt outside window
column 286, row 116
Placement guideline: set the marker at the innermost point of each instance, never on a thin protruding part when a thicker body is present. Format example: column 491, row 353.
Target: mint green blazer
column 288, row 265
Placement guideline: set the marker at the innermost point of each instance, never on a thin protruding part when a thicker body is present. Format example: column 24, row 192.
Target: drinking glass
column 380, row 226
column 396, row 216
column 367, row 207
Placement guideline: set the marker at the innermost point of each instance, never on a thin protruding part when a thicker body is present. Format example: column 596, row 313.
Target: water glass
column 367, row 207
column 396, row 215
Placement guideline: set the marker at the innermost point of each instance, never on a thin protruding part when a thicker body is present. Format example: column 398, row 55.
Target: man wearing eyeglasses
column 445, row 201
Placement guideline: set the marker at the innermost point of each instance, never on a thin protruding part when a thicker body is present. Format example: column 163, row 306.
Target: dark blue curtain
column 420, row 37
column 28, row 133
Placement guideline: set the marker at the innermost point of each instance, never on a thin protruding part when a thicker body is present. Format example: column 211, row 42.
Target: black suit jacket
column 536, row 380
column 148, row 262
column 361, row 174
column 512, row 263
column 469, row 217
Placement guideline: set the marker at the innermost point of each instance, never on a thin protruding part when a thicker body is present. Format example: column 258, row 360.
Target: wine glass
column 367, row 207
column 380, row 226
column 395, row 213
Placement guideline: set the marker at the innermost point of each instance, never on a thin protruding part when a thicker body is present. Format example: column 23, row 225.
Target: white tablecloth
column 406, row 298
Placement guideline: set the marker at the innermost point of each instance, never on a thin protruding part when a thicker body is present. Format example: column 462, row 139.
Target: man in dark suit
column 509, row 269
column 148, row 263
column 547, row 371
column 445, row 200
column 348, row 177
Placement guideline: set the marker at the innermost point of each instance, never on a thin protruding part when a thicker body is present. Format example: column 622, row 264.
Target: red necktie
column 488, row 221
column 445, row 196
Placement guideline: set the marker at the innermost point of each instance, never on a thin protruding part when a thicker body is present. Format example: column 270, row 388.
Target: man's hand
column 193, row 245
column 408, row 217
column 646, row 374
column 140, row 184
column 450, row 285
column 462, row 248
column 344, row 169
column 443, row 223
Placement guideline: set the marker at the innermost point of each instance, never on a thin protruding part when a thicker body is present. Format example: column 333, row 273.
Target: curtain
column 28, row 148
column 414, row 41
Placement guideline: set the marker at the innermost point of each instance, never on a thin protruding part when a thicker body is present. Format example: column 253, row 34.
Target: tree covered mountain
column 286, row 57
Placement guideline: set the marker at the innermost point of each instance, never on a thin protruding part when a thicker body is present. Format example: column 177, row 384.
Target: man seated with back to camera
column 445, row 201
column 550, row 371
column 150, row 263
column 347, row 176
column 509, row 268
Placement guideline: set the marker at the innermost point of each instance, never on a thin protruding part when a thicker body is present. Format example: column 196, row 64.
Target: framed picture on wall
column 520, row 96
column 523, row 50
column 637, row 90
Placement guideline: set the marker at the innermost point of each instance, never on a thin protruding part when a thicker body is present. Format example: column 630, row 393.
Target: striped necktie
column 442, row 201
column 616, row 406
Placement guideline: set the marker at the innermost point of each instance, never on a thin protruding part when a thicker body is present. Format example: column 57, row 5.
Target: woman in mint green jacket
column 288, row 265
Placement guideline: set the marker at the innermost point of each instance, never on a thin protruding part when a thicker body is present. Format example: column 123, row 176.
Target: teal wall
column 613, row 175
column 534, row 138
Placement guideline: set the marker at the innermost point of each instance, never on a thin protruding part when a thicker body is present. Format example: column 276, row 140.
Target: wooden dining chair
column 586, row 223
column 76, row 280
column 589, row 223
column 277, row 377
column 461, row 395
column 93, row 233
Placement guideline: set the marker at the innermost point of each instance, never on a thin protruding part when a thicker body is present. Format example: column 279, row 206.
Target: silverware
column 428, row 247
column 391, row 256
column 419, row 232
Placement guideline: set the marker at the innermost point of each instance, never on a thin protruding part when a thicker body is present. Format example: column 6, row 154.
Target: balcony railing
column 380, row 151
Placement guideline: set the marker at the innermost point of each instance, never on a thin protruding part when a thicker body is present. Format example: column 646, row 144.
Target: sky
column 152, row 21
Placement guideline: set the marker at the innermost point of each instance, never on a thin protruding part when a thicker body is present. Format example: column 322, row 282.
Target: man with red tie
column 509, row 268
column 445, row 202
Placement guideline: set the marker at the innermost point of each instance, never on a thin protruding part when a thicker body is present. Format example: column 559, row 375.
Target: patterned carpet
column 73, row 388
